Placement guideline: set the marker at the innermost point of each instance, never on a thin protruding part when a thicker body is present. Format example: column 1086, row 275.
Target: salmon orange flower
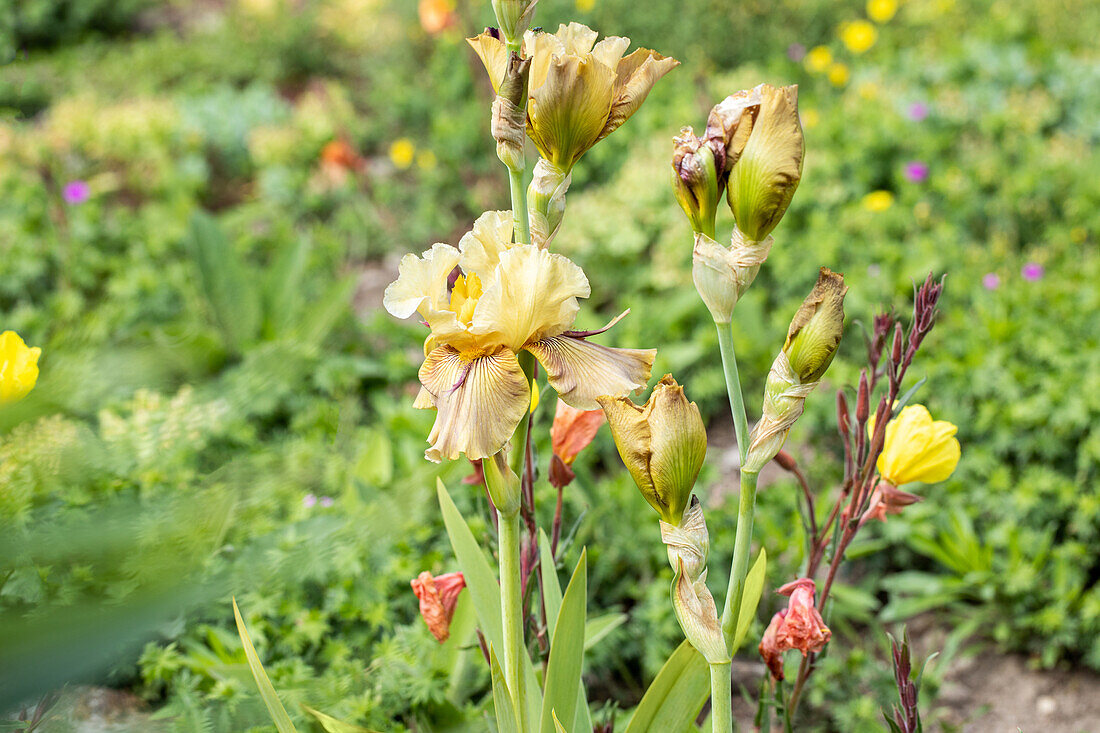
column 571, row 433
column 485, row 301
column 436, row 16
column 438, row 597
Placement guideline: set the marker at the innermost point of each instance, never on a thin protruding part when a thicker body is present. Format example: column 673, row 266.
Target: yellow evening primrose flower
column 881, row 11
column 402, row 153
column 818, row 59
column 858, row 36
column 18, row 367
column 505, row 298
column 839, row 74
column 583, row 6
column 579, row 91
column 878, row 201
column 918, row 448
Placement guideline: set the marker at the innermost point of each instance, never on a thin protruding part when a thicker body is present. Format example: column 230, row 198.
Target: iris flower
column 505, row 298
column 579, row 91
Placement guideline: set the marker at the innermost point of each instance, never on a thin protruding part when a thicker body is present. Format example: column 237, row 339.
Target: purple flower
column 1032, row 271
column 326, row 501
column 991, row 281
column 916, row 171
column 76, row 192
column 918, row 111
column 309, row 501
column 796, row 51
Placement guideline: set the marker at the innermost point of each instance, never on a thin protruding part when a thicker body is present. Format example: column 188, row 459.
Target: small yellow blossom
column 839, row 74
column 426, row 160
column 810, row 118
column 858, row 36
column 918, row 449
column 584, row 6
column 868, row 90
column 18, row 367
column 818, row 59
column 878, row 201
column 881, row 11
column 402, row 153
column 534, row 394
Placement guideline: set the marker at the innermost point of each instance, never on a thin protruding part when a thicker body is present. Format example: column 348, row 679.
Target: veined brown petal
column 479, row 400
column 635, row 76
column 582, row 371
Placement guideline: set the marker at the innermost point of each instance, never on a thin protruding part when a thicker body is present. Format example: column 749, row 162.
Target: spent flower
column 695, row 180
column 438, row 597
column 570, row 433
column 506, row 298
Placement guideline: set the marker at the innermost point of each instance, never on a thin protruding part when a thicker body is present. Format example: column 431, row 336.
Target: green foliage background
column 201, row 378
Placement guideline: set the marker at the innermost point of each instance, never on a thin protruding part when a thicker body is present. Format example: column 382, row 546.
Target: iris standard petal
column 493, row 54
column 577, row 38
column 482, row 246
column 479, row 400
column 581, row 371
column 635, row 76
column 533, row 296
column 421, row 284
column 566, row 115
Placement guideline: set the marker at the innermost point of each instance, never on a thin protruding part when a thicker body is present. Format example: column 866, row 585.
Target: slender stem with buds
column 733, row 388
column 740, row 566
column 721, row 698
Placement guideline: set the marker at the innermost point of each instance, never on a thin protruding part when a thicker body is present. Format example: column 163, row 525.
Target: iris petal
column 581, row 371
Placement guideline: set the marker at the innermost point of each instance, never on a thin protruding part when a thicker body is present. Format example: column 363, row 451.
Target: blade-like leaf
column 231, row 293
column 750, row 599
column 558, row 727
column 502, row 698
column 481, row 582
column 599, row 627
column 332, row 725
column 283, row 287
column 552, row 599
column 320, row 318
column 675, row 696
column 267, row 691
column 563, row 671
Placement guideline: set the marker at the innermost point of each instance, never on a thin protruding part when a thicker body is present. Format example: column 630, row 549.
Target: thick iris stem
column 740, row 566
column 521, row 220
column 733, row 388
column 721, row 698
column 512, row 614
column 519, row 438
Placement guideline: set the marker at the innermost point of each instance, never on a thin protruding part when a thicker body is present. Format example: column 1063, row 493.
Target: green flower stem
column 521, row 219
column 512, row 615
column 740, row 567
column 721, row 698
column 733, row 388
column 519, row 438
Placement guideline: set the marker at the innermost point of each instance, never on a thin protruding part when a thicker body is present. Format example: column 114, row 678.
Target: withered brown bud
column 509, row 118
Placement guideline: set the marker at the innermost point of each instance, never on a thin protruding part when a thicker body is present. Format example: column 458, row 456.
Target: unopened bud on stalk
column 863, row 399
column 895, row 352
column 728, row 128
column 812, row 341
column 514, row 17
column 547, row 194
column 663, row 444
column 843, row 418
column 814, row 335
column 764, row 178
column 502, row 483
column 688, row 545
column 509, row 120
column 723, row 274
column 695, row 180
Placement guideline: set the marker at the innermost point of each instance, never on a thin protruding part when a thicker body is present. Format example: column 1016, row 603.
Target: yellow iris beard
column 464, row 297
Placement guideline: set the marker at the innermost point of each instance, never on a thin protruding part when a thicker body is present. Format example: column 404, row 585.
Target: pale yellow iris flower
column 18, row 367
column 507, row 298
column 918, row 448
column 579, row 91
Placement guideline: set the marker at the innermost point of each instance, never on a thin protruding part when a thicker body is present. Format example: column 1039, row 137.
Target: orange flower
column 802, row 628
column 438, row 597
column 436, row 16
column 571, row 432
column 769, row 646
column 340, row 154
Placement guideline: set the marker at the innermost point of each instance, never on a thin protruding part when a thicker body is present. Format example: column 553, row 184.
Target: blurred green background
column 201, row 202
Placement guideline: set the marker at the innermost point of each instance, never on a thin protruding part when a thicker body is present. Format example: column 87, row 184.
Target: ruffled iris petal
column 581, row 371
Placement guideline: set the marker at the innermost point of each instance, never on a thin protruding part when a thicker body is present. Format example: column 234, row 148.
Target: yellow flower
column 584, row 6
column 810, row 118
column 878, row 201
column 918, row 448
column 579, row 91
column 881, row 11
column 18, row 367
column 426, row 160
column 818, row 59
column 858, row 36
column 507, row 298
column 838, row 74
column 402, row 153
